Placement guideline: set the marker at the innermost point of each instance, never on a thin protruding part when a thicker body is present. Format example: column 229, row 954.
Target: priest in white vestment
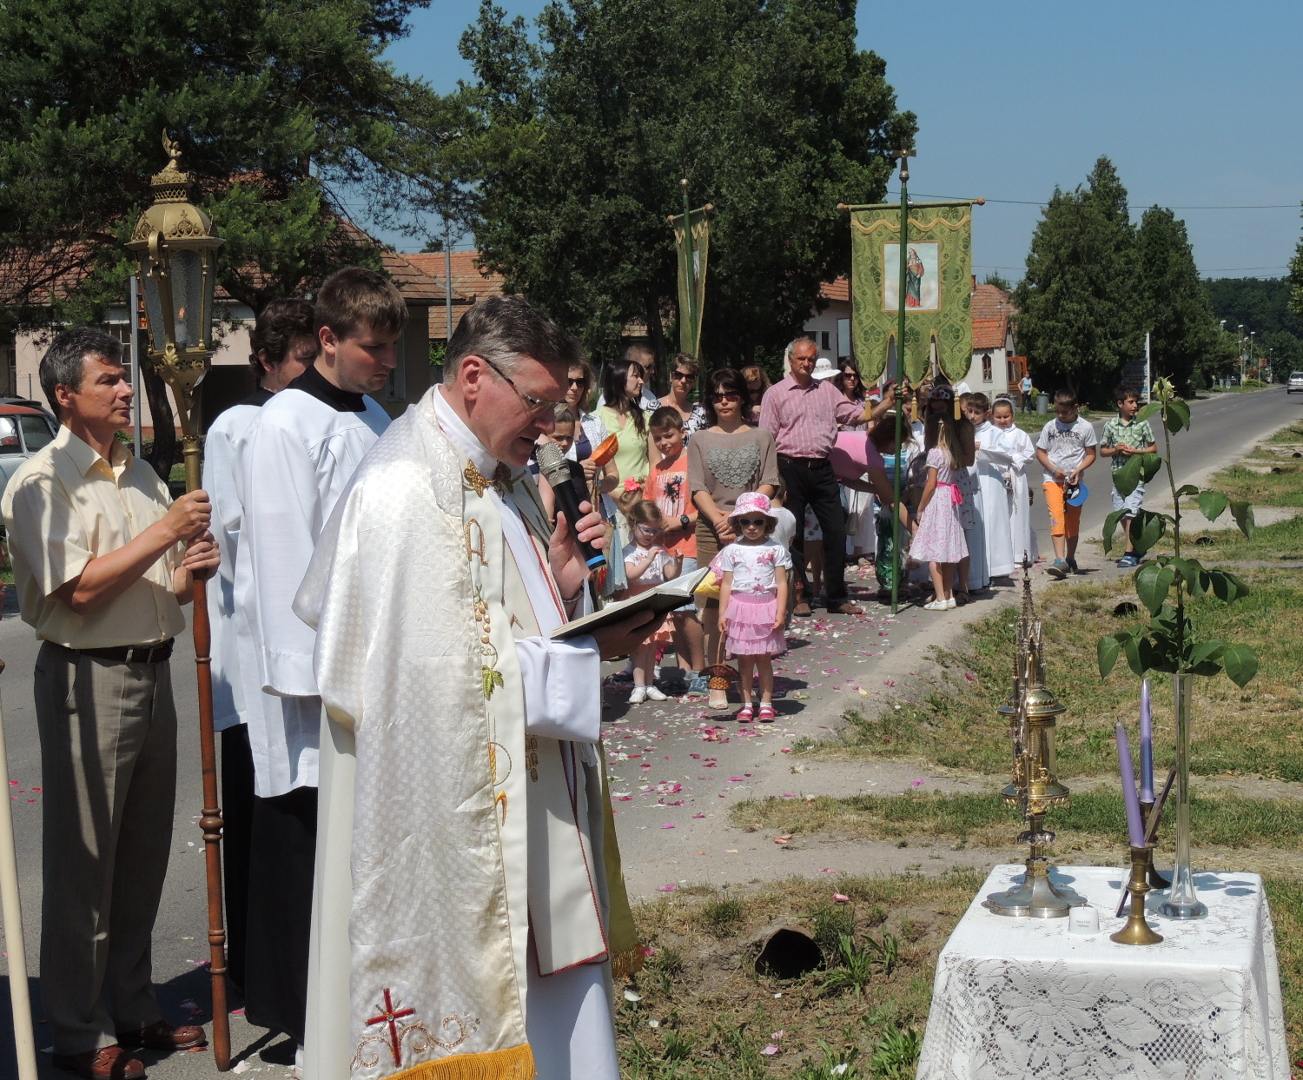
column 302, row 451
column 460, row 923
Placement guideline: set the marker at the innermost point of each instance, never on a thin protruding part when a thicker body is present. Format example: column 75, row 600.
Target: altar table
column 1024, row 998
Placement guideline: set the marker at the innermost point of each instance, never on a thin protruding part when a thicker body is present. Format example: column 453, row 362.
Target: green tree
column 1079, row 316
column 998, row 280
column 1296, row 281
column 768, row 110
column 279, row 109
column 1174, row 305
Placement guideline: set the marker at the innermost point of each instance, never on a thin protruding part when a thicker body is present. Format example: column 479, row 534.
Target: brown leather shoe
column 106, row 1063
column 802, row 609
column 160, row 1035
column 846, row 608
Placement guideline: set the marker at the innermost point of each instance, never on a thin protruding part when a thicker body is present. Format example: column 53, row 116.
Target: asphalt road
column 1224, row 427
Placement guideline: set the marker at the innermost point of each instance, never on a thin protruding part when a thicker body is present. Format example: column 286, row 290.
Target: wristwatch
column 684, row 521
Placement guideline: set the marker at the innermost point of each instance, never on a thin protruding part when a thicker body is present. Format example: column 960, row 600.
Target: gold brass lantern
column 175, row 246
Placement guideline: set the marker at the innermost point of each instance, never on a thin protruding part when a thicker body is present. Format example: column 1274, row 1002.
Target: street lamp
column 175, row 246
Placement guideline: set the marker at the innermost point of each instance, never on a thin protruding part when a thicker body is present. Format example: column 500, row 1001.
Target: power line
column 1130, row 206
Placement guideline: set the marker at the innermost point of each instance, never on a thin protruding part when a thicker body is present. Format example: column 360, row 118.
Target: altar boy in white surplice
column 461, row 915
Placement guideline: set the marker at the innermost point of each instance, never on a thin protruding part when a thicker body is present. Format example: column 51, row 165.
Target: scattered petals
column 632, row 995
column 770, row 1050
column 669, row 886
column 841, row 898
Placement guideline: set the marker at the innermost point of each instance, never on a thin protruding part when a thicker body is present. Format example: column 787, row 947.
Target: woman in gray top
column 725, row 459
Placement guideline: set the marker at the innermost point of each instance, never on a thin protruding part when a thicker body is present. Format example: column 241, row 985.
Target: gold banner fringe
column 513, row 1063
column 627, row 964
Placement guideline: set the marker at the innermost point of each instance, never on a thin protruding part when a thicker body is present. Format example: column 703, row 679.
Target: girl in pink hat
column 753, row 571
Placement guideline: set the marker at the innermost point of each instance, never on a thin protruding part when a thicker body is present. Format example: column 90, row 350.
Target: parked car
column 1294, row 382
column 23, row 431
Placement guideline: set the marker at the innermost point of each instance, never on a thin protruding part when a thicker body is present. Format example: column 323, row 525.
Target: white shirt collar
column 461, row 436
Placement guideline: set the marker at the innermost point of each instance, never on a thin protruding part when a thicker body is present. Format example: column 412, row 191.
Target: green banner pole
column 896, row 563
column 689, row 317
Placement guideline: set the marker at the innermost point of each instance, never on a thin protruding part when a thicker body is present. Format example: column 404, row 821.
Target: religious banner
column 692, row 255
column 938, row 287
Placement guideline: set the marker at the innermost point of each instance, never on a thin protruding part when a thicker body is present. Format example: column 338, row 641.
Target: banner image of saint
column 922, row 277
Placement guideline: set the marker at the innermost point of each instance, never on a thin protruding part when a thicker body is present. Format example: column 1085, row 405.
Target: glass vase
column 1182, row 901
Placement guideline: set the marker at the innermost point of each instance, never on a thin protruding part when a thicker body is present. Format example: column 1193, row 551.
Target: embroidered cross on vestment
column 389, row 1015
column 478, row 482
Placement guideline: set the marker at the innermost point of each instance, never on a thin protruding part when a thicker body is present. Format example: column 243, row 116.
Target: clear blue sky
column 1195, row 102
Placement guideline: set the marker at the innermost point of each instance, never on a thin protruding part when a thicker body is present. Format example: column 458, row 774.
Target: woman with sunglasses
column 589, row 431
column 757, row 383
column 683, row 381
column 725, row 459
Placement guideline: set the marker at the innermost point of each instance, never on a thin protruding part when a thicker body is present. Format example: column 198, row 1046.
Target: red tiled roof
column 431, row 263
column 991, row 302
column 836, row 290
column 990, row 333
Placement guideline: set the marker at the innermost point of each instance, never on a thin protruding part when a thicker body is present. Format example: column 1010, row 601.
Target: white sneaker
column 653, row 694
column 951, row 603
column 936, row 605
column 639, row 694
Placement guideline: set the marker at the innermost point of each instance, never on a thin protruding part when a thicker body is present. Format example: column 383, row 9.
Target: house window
column 825, row 340
column 396, row 387
column 986, row 367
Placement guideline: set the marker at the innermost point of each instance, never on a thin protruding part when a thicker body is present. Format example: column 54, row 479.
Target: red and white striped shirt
column 803, row 419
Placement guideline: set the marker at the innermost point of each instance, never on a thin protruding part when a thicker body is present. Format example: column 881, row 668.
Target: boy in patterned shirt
column 1123, row 436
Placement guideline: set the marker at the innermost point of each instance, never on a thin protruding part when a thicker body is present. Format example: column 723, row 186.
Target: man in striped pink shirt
column 803, row 413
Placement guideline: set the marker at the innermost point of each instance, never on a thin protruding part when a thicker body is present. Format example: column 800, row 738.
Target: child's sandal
column 766, row 713
column 744, row 714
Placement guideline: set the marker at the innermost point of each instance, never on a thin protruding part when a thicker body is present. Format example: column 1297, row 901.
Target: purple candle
column 1135, row 833
column 1146, row 745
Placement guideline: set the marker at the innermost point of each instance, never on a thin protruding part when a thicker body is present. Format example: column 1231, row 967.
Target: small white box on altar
column 1083, row 920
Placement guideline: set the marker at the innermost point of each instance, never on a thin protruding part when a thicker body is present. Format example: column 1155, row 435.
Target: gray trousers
column 108, row 765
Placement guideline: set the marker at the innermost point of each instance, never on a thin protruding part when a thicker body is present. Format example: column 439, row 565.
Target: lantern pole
column 896, row 561
column 173, row 227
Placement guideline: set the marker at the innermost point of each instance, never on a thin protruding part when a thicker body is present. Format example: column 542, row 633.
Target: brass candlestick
column 1157, row 880
column 1032, row 710
column 1137, row 931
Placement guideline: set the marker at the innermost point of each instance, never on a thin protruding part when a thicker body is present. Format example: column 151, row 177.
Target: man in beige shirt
column 102, row 562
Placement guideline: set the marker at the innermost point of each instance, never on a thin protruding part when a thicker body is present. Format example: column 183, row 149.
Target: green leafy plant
column 854, row 969
column 1169, row 642
column 896, row 1054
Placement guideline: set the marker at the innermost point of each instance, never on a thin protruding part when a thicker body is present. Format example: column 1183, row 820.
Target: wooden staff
column 11, row 911
column 210, row 816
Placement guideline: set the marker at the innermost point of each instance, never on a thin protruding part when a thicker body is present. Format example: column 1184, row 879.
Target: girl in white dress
column 1015, row 442
column 994, row 497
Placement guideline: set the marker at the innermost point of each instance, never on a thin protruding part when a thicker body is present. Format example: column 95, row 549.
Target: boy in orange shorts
column 1065, row 449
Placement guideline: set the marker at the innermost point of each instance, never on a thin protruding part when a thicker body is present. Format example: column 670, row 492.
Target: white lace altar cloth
column 1024, row 998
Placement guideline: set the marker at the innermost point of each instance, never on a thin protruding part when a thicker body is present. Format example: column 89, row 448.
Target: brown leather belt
column 132, row 654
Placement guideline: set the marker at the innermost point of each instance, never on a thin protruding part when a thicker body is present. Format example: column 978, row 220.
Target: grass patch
column 703, row 1014
column 984, row 820
column 1284, row 488
column 1281, row 541
column 954, row 723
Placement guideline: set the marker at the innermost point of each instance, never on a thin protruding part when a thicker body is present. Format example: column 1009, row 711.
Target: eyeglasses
column 752, row 523
column 536, row 405
column 680, row 374
column 648, row 530
column 727, row 395
column 575, row 382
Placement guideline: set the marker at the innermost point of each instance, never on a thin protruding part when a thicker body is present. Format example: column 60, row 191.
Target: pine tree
column 1175, row 307
column 1079, row 315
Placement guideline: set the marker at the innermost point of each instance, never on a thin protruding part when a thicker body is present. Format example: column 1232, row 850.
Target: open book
column 664, row 597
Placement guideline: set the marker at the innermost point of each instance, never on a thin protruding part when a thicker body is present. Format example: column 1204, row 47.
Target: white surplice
column 300, row 454
column 224, row 446
column 1022, row 454
column 459, row 844
column 994, row 505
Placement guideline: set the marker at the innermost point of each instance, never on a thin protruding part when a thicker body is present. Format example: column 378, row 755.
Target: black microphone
column 553, row 465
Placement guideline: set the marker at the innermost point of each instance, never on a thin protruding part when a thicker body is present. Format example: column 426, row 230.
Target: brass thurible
column 1032, row 710
column 1137, row 931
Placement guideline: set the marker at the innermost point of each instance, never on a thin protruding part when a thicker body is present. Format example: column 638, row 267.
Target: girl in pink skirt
column 938, row 535
column 753, row 573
